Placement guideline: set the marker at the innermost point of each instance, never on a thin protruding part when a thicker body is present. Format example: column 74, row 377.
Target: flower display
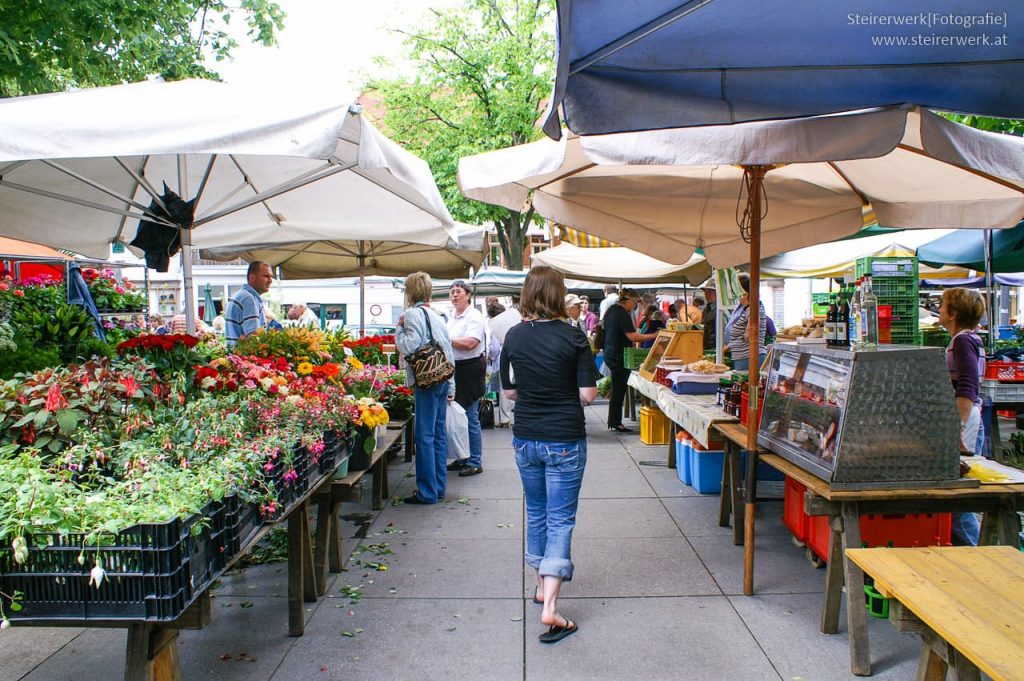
column 110, row 294
column 370, row 349
column 171, row 352
column 296, row 344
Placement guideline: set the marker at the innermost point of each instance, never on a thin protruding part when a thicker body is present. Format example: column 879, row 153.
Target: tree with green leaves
column 54, row 45
column 483, row 72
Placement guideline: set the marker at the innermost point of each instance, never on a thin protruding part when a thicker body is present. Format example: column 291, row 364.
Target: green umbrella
column 209, row 310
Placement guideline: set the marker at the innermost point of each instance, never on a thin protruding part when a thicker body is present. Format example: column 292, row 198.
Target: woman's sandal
column 538, row 601
column 555, row 633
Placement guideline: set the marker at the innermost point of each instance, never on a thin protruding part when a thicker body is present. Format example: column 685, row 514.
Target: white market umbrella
column 78, row 170
column 334, row 258
column 620, row 265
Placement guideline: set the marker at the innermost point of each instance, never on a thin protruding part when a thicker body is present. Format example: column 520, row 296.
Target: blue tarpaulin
column 650, row 64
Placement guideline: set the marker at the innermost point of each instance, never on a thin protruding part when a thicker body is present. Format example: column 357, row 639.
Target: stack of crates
column 894, row 282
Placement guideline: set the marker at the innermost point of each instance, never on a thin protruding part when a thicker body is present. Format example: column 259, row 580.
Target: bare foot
column 555, row 620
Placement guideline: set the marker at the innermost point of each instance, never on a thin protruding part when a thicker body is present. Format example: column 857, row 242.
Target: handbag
column 430, row 366
column 486, row 413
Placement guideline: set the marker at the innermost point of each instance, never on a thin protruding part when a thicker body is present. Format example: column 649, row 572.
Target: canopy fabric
column 11, row 249
column 79, row 169
column 840, row 257
column 668, row 192
column 967, row 250
column 330, row 258
column 613, row 265
column 582, row 239
column 648, row 64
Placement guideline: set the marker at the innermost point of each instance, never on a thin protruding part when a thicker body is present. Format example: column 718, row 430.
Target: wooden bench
column 966, row 603
column 327, row 555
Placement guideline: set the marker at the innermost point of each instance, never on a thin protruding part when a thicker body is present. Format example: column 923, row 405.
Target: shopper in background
column 245, row 311
column 573, row 307
column 588, row 316
column 431, row 404
column 695, row 312
column 654, row 321
column 549, row 437
column 468, row 333
column 959, row 312
column 611, row 296
column 619, row 333
column 736, row 330
column 499, row 327
column 708, row 317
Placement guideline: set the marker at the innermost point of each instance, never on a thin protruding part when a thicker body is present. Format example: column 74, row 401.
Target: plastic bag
column 457, row 429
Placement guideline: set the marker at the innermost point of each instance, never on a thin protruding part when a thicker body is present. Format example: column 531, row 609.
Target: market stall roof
column 16, row 249
column 332, row 258
column 668, row 192
column 620, row 265
column 966, row 249
column 648, row 64
column 840, row 257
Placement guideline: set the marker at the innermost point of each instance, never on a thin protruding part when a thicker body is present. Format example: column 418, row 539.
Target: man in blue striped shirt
column 244, row 313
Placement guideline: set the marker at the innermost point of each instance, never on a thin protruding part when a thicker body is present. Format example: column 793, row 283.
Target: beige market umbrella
column 621, row 265
column 741, row 191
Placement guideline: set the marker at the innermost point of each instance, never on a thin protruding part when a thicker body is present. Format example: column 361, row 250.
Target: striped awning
column 582, row 239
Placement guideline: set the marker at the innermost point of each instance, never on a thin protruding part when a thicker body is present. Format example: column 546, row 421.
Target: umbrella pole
column 993, row 322
column 362, row 295
column 753, row 327
column 186, row 253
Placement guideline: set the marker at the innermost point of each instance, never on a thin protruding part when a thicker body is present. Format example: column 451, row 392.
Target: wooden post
column 756, row 175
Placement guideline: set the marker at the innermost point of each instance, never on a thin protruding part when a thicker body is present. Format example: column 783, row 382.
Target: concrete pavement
column 657, row 595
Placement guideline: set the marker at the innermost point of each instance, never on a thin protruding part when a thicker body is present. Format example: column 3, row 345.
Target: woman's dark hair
column 543, row 294
column 744, row 280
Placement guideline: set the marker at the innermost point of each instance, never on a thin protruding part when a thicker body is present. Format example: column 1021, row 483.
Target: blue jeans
column 431, row 442
column 476, row 445
column 552, row 473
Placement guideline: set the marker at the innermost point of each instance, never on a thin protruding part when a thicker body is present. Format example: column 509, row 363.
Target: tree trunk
column 512, row 237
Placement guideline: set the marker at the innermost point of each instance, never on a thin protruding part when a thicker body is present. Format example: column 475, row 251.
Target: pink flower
column 18, row 292
column 291, row 476
column 119, row 289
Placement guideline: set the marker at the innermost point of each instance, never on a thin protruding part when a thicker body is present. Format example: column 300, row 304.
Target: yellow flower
column 355, row 363
column 304, row 368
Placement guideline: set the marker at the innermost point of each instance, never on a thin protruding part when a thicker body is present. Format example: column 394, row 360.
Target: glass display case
column 863, row 419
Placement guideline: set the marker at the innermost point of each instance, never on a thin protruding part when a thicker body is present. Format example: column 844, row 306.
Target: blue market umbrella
column 651, row 64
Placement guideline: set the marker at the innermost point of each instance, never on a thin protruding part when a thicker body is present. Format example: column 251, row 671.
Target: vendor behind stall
column 960, row 311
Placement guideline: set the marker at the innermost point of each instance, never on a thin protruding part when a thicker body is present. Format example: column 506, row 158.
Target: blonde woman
column 414, row 330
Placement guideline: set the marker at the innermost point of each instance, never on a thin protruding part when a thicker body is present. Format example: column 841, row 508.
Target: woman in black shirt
column 548, row 369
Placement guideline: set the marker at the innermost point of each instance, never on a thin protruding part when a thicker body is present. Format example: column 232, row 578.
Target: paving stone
column 786, row 627
column 779, row 566
column 425, row 639
column 623, row 518
column 25, row 647
column 614, row 482
column 696, row 639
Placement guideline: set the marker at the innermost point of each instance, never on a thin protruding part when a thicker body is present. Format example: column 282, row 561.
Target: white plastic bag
column 457, row 428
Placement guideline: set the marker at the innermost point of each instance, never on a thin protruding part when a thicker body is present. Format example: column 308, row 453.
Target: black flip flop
column 555, row 633
column 538, row 601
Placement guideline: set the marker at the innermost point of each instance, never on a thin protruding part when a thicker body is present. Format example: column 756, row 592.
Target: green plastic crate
column 935, row 338
column 819, row 304
column 883, row 267
column 895, row 288
column 632, row 358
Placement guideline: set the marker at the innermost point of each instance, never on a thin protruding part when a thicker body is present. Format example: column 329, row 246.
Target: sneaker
column 620, row 429
column 457, row 465
column 470, row 470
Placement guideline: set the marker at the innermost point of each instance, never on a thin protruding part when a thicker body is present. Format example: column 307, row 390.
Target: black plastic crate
column 153, row 572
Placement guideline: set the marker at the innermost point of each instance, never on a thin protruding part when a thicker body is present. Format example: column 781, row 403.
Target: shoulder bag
column 430, row 366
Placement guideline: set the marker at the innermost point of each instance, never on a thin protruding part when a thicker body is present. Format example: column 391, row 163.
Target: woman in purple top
column 960, row 311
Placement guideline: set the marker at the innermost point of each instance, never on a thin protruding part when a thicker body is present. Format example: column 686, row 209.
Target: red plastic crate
column 1005, row 372
column 793, row 515
column 905, row 530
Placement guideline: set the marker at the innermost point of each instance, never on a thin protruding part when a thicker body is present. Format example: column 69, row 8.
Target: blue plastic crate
column 683, row 461
column 706, row 470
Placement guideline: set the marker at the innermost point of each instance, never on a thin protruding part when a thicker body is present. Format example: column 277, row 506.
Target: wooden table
column 152, row 647
column 998, row 503
column 967, row 603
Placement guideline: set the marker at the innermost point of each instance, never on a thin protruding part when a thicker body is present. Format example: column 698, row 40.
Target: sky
column 326, row 43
